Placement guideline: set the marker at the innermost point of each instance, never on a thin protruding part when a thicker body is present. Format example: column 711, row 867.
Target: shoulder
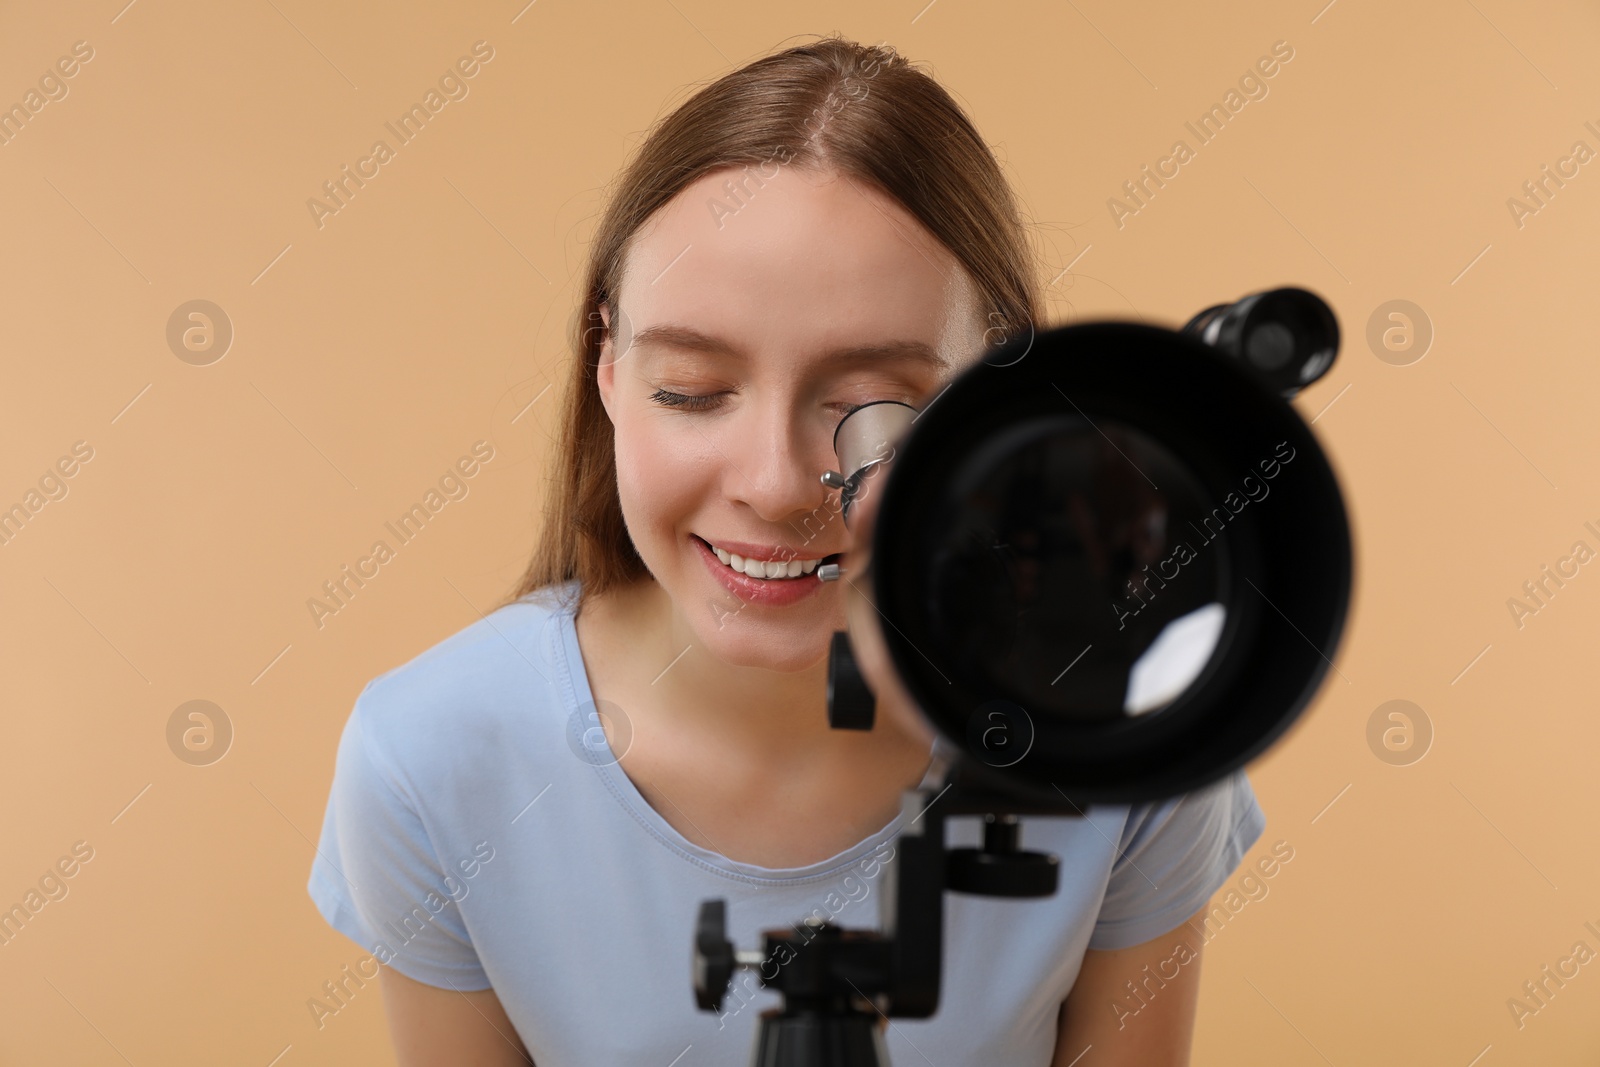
column 1172, row 855
column 1209, row 816
column 471, row 696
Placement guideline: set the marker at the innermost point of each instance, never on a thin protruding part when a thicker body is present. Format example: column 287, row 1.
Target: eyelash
column 683, row 401
column 686, row 402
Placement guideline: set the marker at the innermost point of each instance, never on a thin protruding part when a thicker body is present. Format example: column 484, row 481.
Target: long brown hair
column 835, row 104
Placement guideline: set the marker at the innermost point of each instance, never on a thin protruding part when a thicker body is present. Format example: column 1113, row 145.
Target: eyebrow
column 688, row 339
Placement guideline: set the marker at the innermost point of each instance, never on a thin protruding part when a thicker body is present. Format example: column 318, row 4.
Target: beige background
column 370, row 353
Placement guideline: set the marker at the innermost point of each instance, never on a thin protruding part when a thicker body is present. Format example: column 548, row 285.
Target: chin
column 769, row 648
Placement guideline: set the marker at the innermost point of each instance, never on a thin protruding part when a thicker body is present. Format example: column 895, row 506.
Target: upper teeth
column 777, row 568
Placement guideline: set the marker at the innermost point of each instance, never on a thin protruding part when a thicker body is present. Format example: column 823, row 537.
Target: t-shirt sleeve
column 377, row 877
column 1173, row 856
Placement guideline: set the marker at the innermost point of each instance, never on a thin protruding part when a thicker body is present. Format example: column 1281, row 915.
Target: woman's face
column 751, row 317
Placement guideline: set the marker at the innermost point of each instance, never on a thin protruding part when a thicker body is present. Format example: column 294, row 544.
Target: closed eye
column 689, row 402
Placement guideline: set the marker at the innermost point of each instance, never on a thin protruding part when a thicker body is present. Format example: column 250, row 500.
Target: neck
column 767, row 713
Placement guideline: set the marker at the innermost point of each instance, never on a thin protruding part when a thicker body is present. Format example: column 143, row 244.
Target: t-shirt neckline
column 627, row 794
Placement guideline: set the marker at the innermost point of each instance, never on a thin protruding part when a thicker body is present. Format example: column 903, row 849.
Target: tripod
column 837, row 983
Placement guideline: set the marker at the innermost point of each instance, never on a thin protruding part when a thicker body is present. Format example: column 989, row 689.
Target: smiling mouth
column 766, row 570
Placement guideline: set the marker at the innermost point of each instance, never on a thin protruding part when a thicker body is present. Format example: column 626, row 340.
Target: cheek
column 664, row 471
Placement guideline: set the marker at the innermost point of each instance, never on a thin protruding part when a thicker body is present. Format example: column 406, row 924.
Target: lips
column 774, row 591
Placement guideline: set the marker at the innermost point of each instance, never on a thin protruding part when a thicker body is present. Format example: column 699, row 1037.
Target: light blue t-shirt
column 480, row 834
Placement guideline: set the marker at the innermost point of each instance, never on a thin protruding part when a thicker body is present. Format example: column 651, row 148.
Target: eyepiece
column 1287, row 337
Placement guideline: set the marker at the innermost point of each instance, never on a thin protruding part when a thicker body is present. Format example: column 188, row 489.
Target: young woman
column 525, row 818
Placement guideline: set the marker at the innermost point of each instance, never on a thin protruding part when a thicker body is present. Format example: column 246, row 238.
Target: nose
column 776, row 464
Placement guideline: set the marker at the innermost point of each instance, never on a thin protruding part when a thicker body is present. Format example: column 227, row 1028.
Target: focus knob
column 1000, row 868
column 1015, row 874
column 713, row 955
column 851, row 704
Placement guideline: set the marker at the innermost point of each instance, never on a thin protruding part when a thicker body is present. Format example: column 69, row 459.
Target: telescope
column 1109, row 564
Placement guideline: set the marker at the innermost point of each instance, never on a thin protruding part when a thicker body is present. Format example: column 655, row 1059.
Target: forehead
column 796, row 261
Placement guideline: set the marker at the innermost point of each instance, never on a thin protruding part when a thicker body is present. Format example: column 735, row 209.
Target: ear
column 605, row 372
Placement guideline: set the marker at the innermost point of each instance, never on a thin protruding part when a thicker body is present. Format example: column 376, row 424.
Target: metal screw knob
column 713, row 955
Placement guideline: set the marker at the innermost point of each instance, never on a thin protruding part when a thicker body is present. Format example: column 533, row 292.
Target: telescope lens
column 1113, row 569
column 1081, row 573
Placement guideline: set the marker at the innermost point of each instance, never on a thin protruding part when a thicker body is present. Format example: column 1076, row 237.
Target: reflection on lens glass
column 1175, row 659
column 1082, row 572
